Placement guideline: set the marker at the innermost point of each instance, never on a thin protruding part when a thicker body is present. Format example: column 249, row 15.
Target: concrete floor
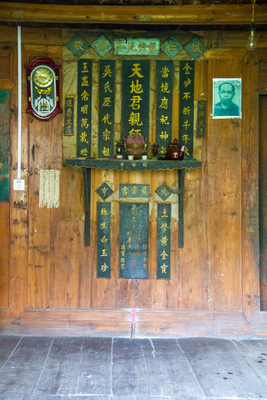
column 89, row 368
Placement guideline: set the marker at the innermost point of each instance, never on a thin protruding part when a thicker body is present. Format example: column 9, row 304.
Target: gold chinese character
column 124, row 190
column 135, row 119
column 201, row 105
column 105, row 151
column 103, row 225
column 164, row 120
column 164, row 135
column 107, row 71
column 195, row 47
column 187, row 95
column 85, row 80
column 104, row 239
column 84, row 123
column 104, row 211
column 101, row 45
column 104, row 267
column 166, row 193
column 107, row 102
column 105, row 119
column 104, row 190
column 165, row 72
column 84, row 152
column 107, row 87
column 186, row 125
column 186, row 83
column 144, row 190
column 171, row 47
column 83, row 137
column 164, row 255
column 164, row 226
column 152, row 46
column 136, row 87
column 187, row 69
column 69, row 102
column 85, row 68
column 106, row 134
column 134, row 189
column 186, row 110
column 85, row 95
column 135, row 102
column 142, row 46
column 165, row 87
column 163, row 268
column 164, row 103
column 84, row 109
column 78, row 44
column 69, row 112
column 136, row 71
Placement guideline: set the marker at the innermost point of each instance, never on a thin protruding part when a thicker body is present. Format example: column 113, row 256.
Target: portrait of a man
column 226, row 98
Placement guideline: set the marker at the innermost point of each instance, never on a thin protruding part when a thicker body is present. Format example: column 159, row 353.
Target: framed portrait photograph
column 227, row 98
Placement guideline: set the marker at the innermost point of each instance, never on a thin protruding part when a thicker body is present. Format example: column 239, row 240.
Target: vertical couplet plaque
column 84, row 108
column 69, row 116
column 164, row 105
column 106, row 108
column 164, row 241
column 103, row 239
column 201, row 118
column 186, row 115
column 134, row 240
column 135, row 97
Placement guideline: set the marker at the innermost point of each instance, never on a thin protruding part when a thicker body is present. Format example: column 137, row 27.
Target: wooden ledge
column 196, row 14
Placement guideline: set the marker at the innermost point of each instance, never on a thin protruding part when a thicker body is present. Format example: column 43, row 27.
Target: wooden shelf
column 135, row 165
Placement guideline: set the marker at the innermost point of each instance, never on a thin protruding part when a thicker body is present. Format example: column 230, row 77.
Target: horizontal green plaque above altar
column 133, row 165
column 138, row 46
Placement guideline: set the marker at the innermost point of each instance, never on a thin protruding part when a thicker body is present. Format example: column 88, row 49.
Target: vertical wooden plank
column 4, row 253
column 18, row 200
column 250, row 177
column 191, row 260
column 224, row 199
column 263, row 200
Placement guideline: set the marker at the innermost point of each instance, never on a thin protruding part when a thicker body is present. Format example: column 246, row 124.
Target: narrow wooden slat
column 224, row 194
column 263, row 201
column 135, row 382
column 64, row 356
column 250, row 179
column 19, row 233
column 7, row 345
column 164, row 359
column 96, row 364
column 4, row 253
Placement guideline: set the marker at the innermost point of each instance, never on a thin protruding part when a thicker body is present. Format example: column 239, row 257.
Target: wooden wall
column 48, row 282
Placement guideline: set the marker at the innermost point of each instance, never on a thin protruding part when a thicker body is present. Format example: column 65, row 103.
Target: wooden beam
column 169, row 15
